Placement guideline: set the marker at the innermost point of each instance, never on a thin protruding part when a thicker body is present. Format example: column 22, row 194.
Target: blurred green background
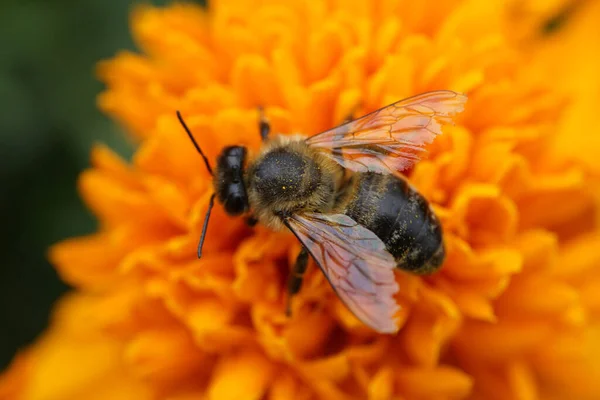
column 48, row 124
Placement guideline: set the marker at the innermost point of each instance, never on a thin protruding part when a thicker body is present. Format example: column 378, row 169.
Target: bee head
column 229, row 180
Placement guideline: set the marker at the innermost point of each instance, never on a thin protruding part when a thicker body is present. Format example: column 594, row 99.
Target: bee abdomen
column 400, row 217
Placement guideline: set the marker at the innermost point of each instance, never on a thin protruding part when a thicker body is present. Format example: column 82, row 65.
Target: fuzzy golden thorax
column 288, row 177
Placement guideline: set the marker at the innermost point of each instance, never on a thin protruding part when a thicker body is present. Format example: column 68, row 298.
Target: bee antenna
column 187, row 130
column 205, row 225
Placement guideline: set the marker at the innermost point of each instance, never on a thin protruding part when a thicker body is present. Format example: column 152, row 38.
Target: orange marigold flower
column 514, row 312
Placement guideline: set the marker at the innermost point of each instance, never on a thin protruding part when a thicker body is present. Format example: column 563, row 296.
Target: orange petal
column 335, row 368
column 322, row 96
column 474, row 305
column 579, row 257
column 537, row 296
column 569, row 366
column 454, row 162
column 428, row 329
column 329, row 42
column 252, row 77
column 171, row 154
column 76, row 361
column 465, row 264
column 87, row 261
column 523, row 382
column 241, row 376
column 483, row 214
column 381, row 386
column 166, row 356
column 170, row 199
column 212, row 328
column 112, row 200
column 539, row 249
column 258, row 274
column 289, row 79
column 543, row 206
column 440, row 382
column 109, row 162
column 286, row 387
column 487, row 341
column 14, row 380
column 310, row 319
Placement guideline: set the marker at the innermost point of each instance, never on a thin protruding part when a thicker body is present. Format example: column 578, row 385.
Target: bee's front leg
column 251, row 220
column 295, row 278
column 264, row 126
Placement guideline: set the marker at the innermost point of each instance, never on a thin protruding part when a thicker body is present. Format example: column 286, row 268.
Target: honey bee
column 341, row 194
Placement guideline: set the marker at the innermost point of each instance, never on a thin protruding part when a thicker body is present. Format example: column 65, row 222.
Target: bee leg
column 295, row 279
column 251, row 221
column 263, row 124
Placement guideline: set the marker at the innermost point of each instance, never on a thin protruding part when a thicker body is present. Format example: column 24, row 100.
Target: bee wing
column 392, row 138
column 356, row 263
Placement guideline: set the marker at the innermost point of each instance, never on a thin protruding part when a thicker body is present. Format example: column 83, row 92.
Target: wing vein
column 356, row 263
column 392, row 138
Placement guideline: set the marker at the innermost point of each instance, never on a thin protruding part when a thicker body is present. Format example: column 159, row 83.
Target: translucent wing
column 355, row 262
column 392, row 138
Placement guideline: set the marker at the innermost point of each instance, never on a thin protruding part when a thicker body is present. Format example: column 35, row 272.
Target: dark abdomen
column 400, row 217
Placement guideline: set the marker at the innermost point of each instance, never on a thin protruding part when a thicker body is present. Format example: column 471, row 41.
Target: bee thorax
column 283, row 175
column 289, row 178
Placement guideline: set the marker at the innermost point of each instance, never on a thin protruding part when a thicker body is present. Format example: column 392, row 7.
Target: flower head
column 512, row 314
